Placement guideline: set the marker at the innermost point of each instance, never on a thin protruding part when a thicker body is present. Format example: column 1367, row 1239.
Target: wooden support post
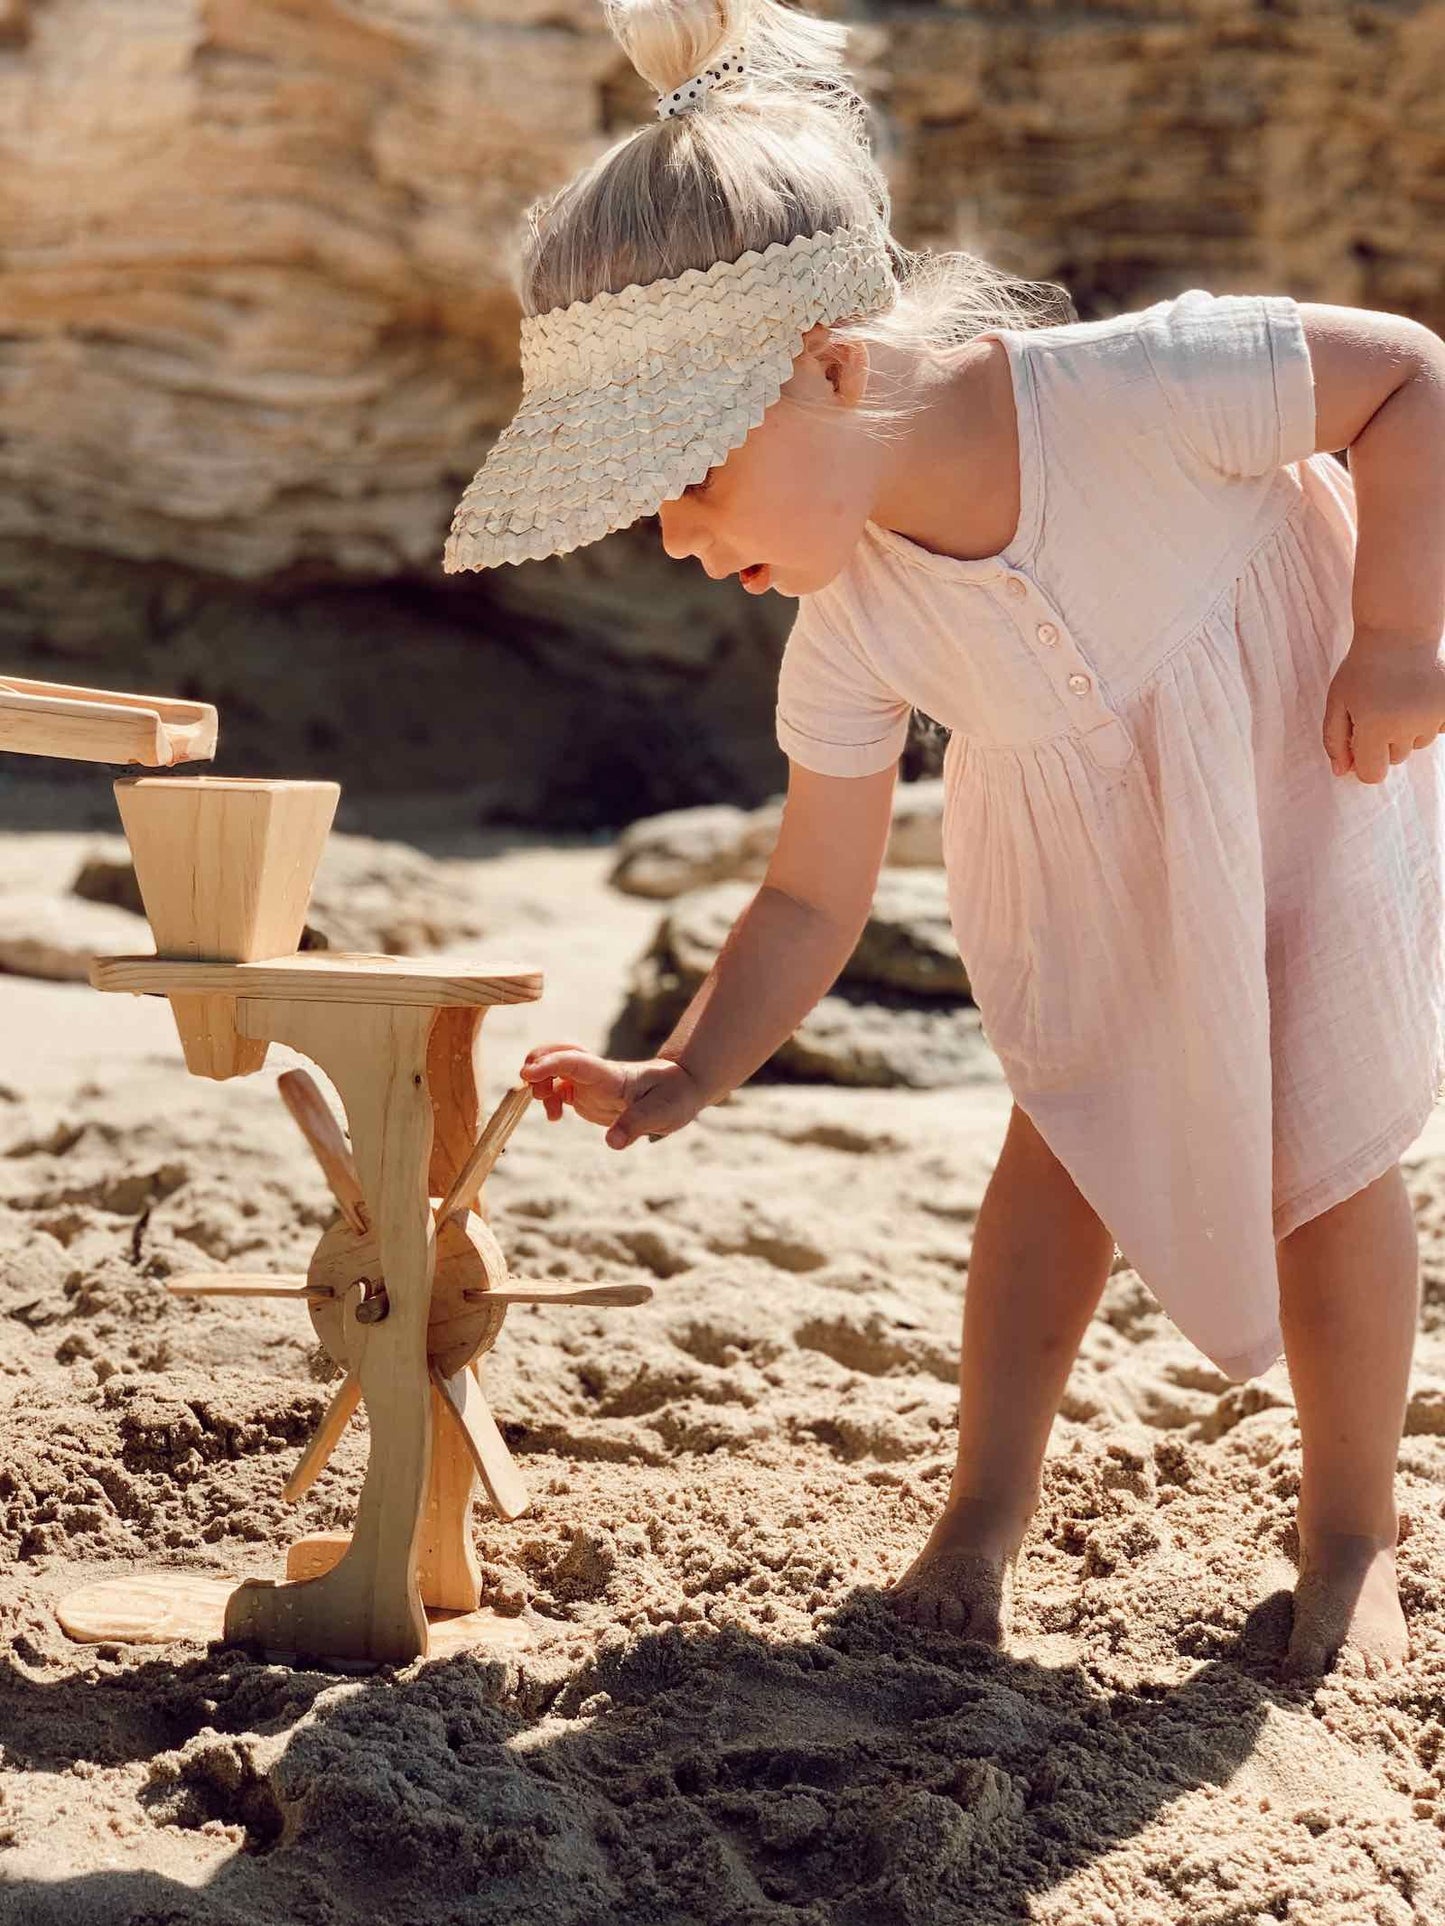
column 369, row 1605
column 405, row 1306
column 448, row 1572
column 452, row 1074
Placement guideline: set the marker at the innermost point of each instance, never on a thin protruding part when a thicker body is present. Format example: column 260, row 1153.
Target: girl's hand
column 1387, row 699
column 632, row 1099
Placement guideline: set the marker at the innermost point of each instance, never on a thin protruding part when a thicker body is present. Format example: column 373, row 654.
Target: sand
column 715, row 1720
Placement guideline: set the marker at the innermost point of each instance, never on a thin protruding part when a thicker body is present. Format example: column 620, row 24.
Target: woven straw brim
column 570, row 469
column 629, row 398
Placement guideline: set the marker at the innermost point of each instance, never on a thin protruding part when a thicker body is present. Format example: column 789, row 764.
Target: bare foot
column 1346, row 1605
column 962, row 1580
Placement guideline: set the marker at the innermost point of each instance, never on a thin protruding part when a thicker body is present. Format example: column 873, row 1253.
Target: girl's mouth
column 756, row 577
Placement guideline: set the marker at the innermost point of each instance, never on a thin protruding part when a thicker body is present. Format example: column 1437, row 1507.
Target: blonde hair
column 776, row 151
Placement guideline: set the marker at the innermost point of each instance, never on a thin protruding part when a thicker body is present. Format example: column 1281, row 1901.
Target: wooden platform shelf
column 326, row 976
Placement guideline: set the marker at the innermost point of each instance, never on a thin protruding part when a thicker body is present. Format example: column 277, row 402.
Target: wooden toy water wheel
column 409, row 1288
column 345, row 1292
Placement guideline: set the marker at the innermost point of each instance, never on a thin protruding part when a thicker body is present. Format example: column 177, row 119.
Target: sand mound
column 716, row 1720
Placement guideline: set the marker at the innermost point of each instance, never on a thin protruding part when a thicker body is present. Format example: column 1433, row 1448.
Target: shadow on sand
column 874, row 1776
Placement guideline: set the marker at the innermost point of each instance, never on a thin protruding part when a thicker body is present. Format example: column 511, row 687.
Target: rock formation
column 368, row 896
column 899, row 1013
column 256, row 331
column 686, row 849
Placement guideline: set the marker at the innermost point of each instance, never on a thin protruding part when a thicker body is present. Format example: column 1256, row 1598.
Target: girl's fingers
column 1371, row 757
column 547, row 1093
column 573, row 1062
column 1336, row 733
column 554, row 1094
column 539, row 1064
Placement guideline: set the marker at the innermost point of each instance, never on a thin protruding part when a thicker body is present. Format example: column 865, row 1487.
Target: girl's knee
column 1386, row 1193
column 1027, row 1157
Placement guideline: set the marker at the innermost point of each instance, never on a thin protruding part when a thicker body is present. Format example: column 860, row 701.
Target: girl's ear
column 842, row 363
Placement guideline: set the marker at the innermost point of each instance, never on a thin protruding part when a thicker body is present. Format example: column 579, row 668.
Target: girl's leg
column 1349, row 1299
column 1039, row 1264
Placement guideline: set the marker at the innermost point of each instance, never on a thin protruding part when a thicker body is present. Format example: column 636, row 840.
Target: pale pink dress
column 1213, row 971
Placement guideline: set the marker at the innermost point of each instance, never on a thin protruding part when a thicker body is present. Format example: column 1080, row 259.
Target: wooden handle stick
column 302, row 1097
column 518, row 1291
column 496, row 1467
column 324, row 1440
column 467, row 1185
column 242, row 1284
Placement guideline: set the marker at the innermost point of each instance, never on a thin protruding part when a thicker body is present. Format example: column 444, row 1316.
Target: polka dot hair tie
column 690, row 94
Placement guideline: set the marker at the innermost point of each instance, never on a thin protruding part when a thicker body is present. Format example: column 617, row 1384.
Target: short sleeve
column 1235, row 373
column 835, row 713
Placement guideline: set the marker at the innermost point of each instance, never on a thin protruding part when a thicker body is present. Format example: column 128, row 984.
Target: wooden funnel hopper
column 225, row 867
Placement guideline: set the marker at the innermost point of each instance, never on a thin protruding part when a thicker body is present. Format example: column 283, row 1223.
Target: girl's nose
column 677, row 533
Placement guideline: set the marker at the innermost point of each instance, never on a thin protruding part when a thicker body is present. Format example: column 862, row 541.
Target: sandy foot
column 1346, row 1605
column 962, row 1581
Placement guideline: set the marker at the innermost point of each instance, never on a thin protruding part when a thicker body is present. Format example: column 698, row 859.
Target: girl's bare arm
column 1380, row 392
column 782, row 954
column 786, row 949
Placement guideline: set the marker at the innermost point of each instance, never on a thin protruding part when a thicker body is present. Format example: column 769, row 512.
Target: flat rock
column 907, row 942
column 899, row 1014
column 387, row 896
column 369, row 895
column 686, row 849
column 916, row 839
column 682, row 849
column 906, row 945
column 56, row 936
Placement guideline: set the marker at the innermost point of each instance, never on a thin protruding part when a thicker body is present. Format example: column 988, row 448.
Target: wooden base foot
column 146, row 1608
column 169, row 1607
column 376, row 1619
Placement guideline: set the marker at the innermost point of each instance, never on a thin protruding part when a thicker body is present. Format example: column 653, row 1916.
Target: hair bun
column 671, row 42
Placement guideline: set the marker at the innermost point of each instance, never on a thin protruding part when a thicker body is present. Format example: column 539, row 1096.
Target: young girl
column 1194, row 821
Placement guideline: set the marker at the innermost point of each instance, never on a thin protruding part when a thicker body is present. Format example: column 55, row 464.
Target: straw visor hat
column 629, row 398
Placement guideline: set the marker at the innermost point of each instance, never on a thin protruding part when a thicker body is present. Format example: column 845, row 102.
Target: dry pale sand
column 716, row 1721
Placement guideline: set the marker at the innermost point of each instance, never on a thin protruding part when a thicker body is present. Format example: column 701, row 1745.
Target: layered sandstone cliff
column 256, row 330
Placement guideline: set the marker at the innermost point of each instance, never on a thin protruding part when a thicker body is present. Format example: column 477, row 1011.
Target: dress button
column 1047, row 634
column 1017, row 587
column 1080, row 684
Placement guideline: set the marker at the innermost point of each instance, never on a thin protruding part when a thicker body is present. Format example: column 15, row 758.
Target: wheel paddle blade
column 302, row 1097
column 325, row 1438
column 464, row 1398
